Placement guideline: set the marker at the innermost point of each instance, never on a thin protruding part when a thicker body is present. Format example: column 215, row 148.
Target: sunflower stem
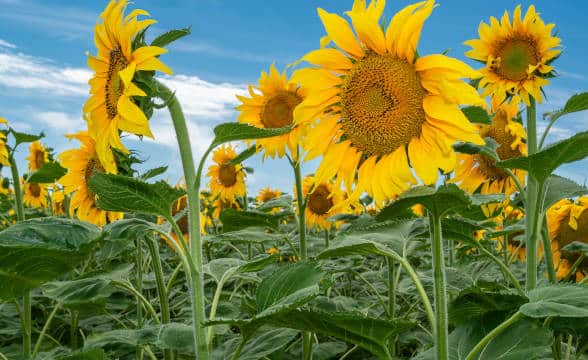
column 139, row 284
column 161, row 289
column 307, row 335
column 193, row 189
column 548, row 253
column 20, row 215
column 492, row 334
column 534, row 194
column 441, row 327
column 391, row 299
column 326, row 238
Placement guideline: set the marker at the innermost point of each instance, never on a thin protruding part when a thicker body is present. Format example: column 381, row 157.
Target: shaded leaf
column 263, row 343
column 477, row 114
column 235, row 220
column 49, row 173
column 570, row 301
column 236, row 131
column 557, row 188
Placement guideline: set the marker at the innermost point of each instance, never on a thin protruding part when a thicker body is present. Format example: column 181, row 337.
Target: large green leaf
column 578, row 102
column 39, row 250
column 236, row 131
column 477, row 114
column 121, row 193
column 121, row 236
column 235, row 220
column 20, row 138
column 227, row 267
column 63, row 353
column 543, row 163
column 445, row 198
column 488, row 149
column 264, row 342
column 557, row 187
column 49, row 173
column 570, row 301
column 475, row 302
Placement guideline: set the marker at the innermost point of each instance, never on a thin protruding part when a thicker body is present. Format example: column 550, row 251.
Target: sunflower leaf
column 47, row 174
column 569, row 301
column 543, row 163
column 244, row 155
column 236, row 220
column 171, row 36
column 477, row 114
column 39, row 250
column 122, row 193
column 557, row 188
column 21, row 138
column 577, row 102
column 488, row 149
column 236, row 131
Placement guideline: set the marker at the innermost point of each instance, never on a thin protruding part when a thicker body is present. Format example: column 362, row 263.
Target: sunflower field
column 434, row 226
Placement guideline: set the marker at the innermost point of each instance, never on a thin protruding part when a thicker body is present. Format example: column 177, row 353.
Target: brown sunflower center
column 114, row 86
column 498, row 132
column 92, row 166
column 381, row 104
column 515, row 57
column 179, row 206
column 566, row 235
column 39, row 159
column 319, row 201
column 278, row 110
column 35, row 190
column 227, row 175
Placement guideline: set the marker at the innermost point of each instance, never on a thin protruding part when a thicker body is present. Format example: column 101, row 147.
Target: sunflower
column 475, row 172
column 110, row 108
column 267, row 194
column 323, row 200
column 179, row 209
column 377, row 109
column 81, row 165
column 219, row 205
column 509, row 216
column 58, row 202
column 271, row 105
column 35, row 195
column 227, row 181
column 3, row 149
column 517, row 55
column 568, row 222
column 38, row 156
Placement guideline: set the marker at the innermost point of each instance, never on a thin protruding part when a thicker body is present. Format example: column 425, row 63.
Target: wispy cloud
column 211, row 50
column 573, row 75
column 6, row 44
column 57, row 120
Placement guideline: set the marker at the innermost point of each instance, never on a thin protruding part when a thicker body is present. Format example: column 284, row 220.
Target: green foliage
column 39, row 250
column 236, row 131
column 477, row 114
column 21, row 138
column 569, row 301
column 121, row 193
column 557, row 188
column 49, row 173
column 170, row 36
column 236, row 220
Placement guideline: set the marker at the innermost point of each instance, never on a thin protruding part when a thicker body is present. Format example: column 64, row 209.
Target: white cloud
column 6, row 44
column 199, row 47
column 26, row 72
column 60, row 121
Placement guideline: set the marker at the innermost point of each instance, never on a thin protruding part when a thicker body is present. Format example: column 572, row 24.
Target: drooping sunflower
column 270, row 106
column 110, row 108
column 267, row 194
column 568, row 222
column 377, row 109
column 227, row 181
column 323, row 200
column 475, row 172
column 82, row 164
column 517, row 55
column 35, row 195
column 58, row 202
column 38, row 156
column 3, row 149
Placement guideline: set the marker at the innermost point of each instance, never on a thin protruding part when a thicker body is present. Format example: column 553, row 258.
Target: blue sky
column 43, row 73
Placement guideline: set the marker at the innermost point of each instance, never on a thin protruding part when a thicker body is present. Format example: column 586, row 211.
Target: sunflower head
column 81, row 165
column 323, row 200
column 267, row 194
column 479, row 172
column 58, row 202
column 227, row 180
column 517, row 55
column 375, row 109
column 36, row 195
column 110, row 108
column 3, row 149
column 270, row 105
column 568, row 222
column 38, row 156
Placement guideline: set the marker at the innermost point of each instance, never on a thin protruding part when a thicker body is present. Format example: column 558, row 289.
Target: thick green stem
column 301, row 211
column 391, row 299
column 161, row 289
column 326, row 238
column 73, row 333
column 441, row 327
column 20, row 214
column 306, row 336
column 139, row 285
column 192, row 189
column 492, row 334
column 534, row 194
